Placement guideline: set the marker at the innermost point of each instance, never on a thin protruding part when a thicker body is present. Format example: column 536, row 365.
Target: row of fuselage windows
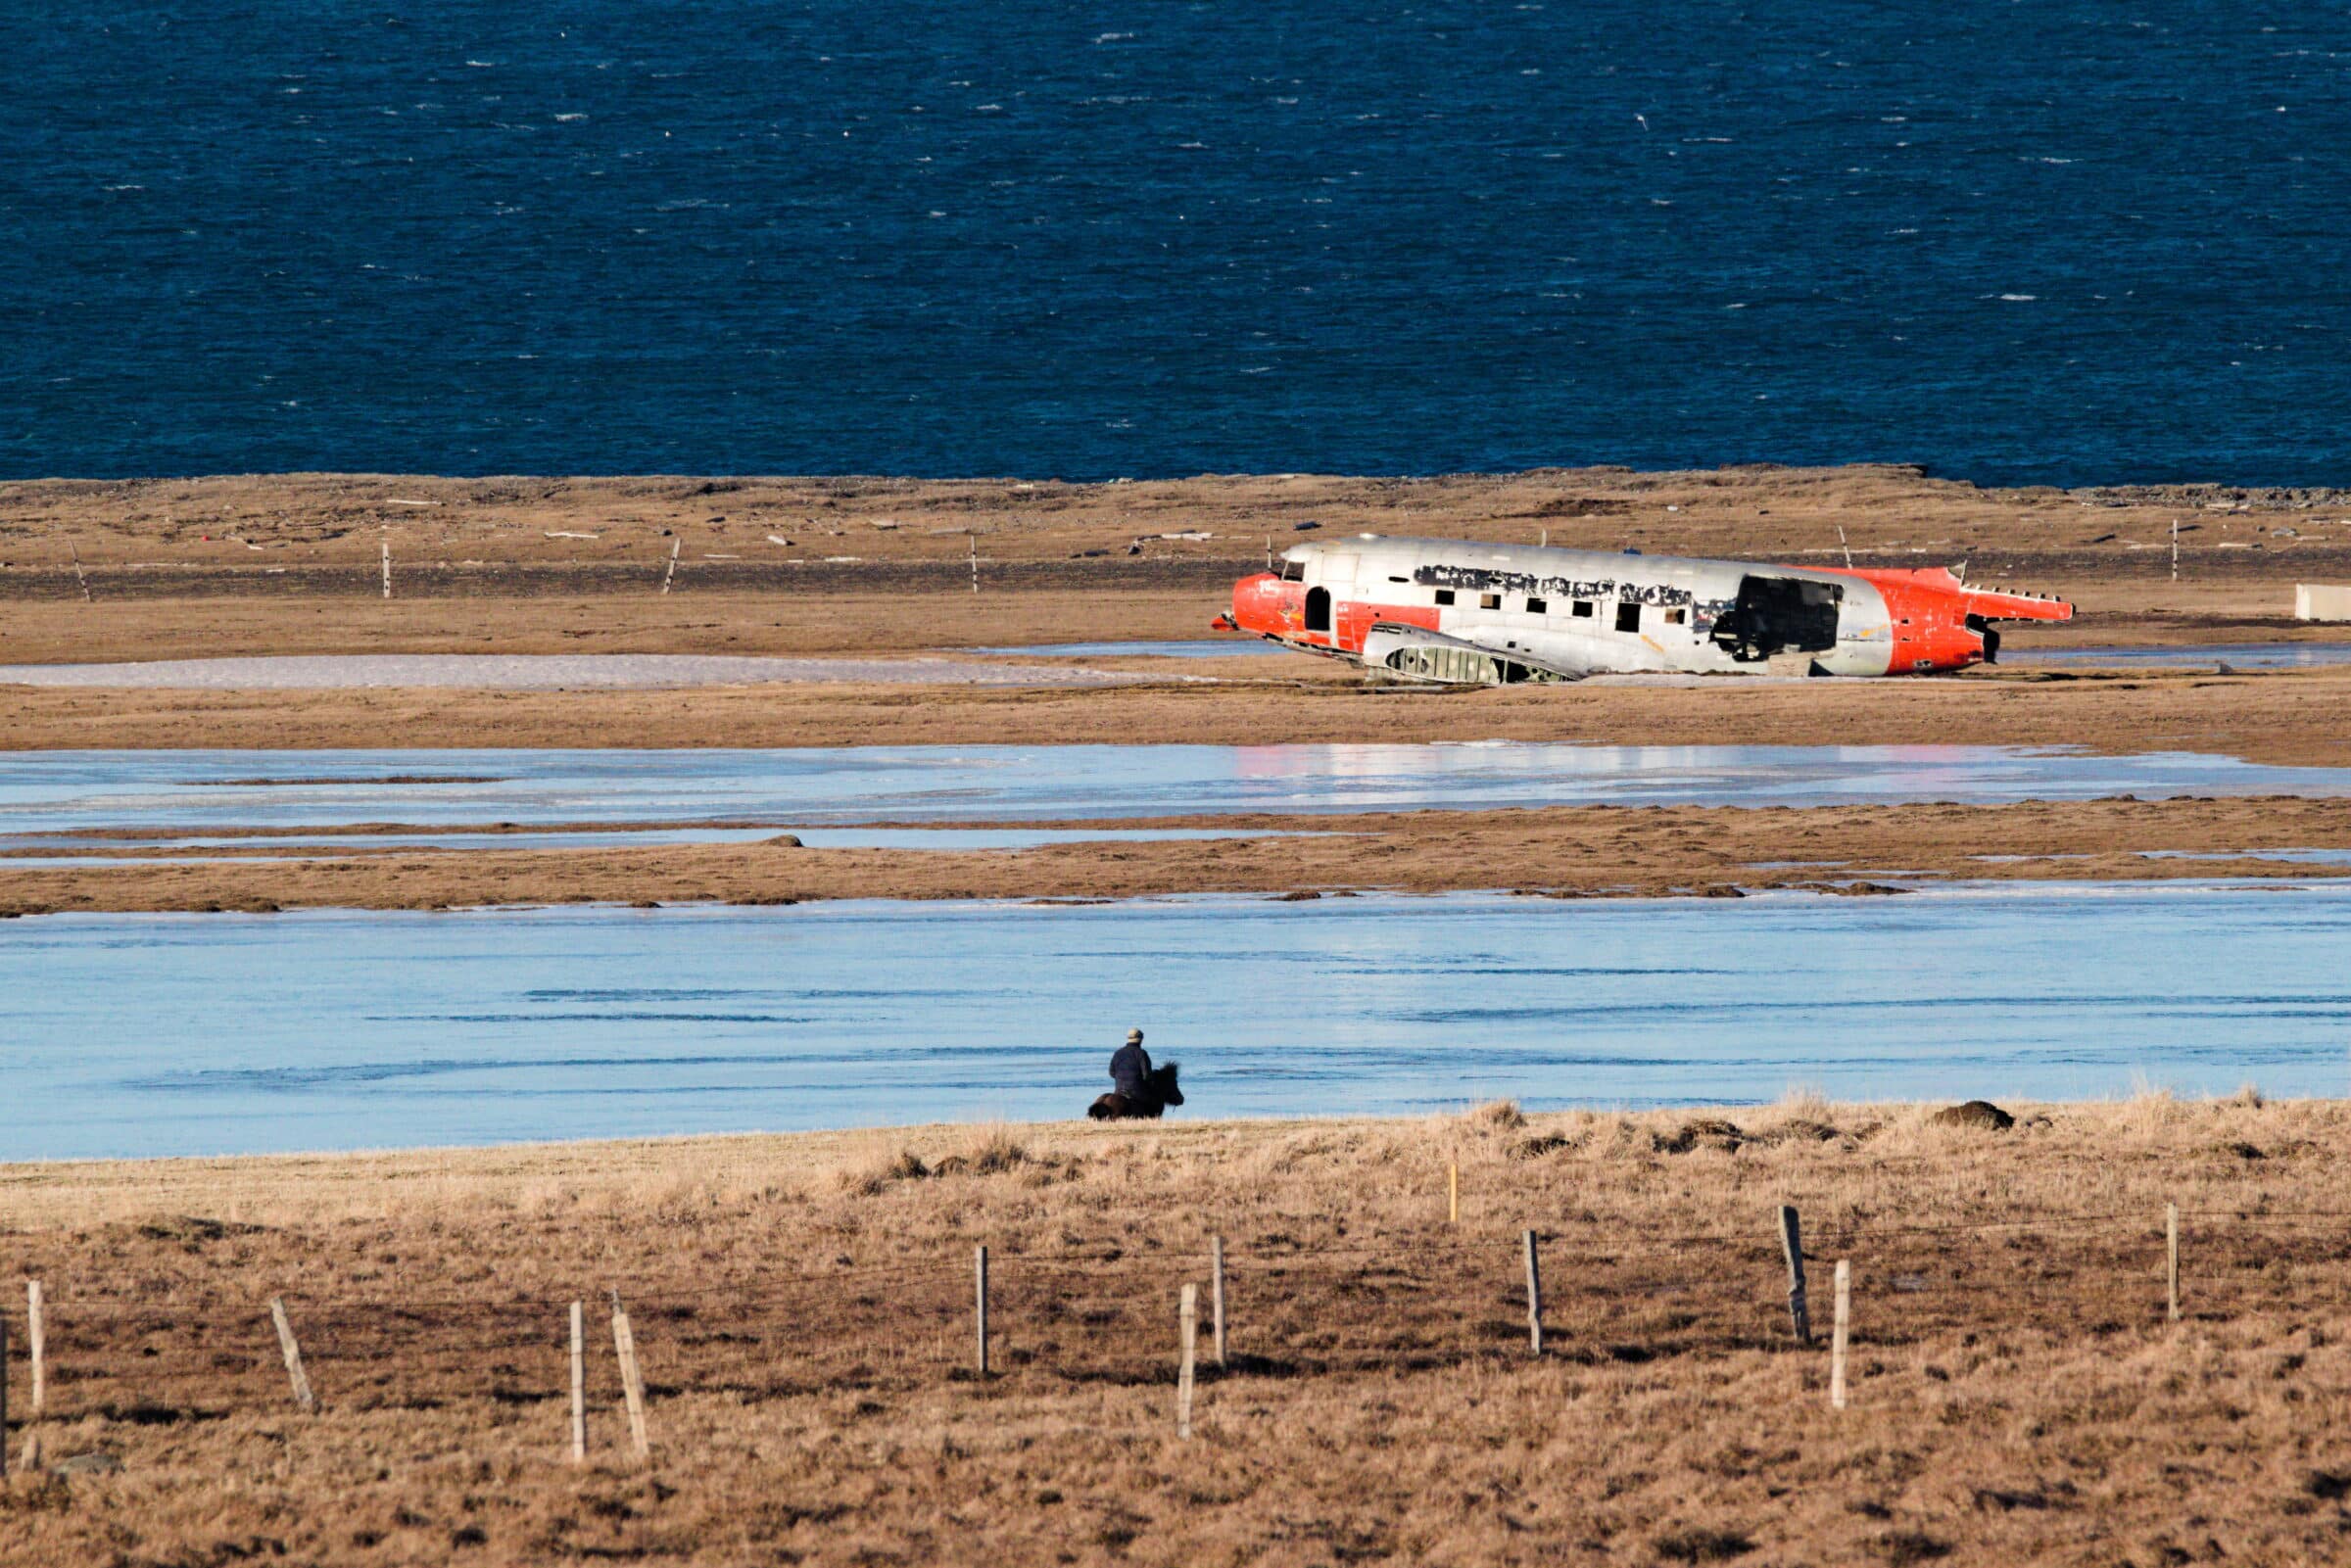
column 1628, row 611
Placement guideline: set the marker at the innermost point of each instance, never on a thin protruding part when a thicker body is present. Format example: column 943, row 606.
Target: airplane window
column 1676, row 616
column 1535, row 606
column 1489, row 602
column 1583, row 607
column 1293, row 571
column 1628, row 616
column 1444, row 595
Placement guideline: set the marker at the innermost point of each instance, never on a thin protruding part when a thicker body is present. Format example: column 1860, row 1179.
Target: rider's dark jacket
column 1130, row 1069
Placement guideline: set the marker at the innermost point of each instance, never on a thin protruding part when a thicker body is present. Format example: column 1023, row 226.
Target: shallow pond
column 173, row 1034
column 54, row 791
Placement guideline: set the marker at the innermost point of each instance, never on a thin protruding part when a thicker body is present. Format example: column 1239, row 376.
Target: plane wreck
column 1452, row 612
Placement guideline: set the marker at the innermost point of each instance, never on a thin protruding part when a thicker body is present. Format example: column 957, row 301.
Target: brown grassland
column 803, row 1308
column 1560, row 853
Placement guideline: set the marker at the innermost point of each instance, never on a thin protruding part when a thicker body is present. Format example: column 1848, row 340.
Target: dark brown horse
column 1159, row 1093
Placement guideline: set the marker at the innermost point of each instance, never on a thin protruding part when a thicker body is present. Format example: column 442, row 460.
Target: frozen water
column 129, row 1034
column 46, row 792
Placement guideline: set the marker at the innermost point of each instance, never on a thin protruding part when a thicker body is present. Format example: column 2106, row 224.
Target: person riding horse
column 1143, row 1091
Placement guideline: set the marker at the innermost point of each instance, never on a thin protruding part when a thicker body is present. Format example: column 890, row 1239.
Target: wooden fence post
column 980, row 1306
column 1791, row 1243
column 1844, row 1298
column 579, row 1384
column 1216, row 1292
column 1534, row 1297
column 36, row 1331
column 632, row 1383
column 2171, row 1259
column 1453, row 1192
column 674, row 546
column 292, row 1355
column 1187, row 1316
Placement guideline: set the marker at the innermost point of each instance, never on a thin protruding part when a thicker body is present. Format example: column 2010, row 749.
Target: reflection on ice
column 2197, row 656
column 1205, row 647
column 160, row 1035
column 56, row 791
column 28, row 850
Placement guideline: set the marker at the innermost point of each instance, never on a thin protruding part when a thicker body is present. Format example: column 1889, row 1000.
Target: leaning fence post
column 1187, row 1317
column 632, row 1383
column 1791, row 1243
column 292, row 1355
column 980, row 1306
column 36, row 1332
column 1845, row 1299
column 1534, row 1297
column 579, row 1384
column 2171, row 1259
column 1216, row 1292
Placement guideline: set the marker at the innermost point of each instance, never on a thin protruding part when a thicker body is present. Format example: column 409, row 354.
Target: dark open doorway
column 1318, row 609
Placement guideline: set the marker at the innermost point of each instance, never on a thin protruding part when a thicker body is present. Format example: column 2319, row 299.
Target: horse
column 1159, row 1093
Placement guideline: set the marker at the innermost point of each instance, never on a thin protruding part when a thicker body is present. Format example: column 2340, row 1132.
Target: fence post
column 2171, row 1259
column 1791, row 1243
column 674, row 546
column 632, row 1383
column 37, row 1340
column 1534, row 1297
column 579, row 1384
column 292, row 1355
column 1844, row 1298
column 387, row 563
column 1187, row 1316
column 980, row 1306
column 1216, row 1292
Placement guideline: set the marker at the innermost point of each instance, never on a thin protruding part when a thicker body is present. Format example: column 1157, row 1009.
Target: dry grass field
column 803, row 1307
column 1562, row 852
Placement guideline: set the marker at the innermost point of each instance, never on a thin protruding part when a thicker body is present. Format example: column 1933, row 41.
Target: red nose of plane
column 1257, row 604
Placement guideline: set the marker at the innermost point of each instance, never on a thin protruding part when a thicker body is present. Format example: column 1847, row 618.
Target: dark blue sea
column 2067, row 242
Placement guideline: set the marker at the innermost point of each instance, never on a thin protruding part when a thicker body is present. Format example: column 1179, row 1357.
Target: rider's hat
column 1134, row 1036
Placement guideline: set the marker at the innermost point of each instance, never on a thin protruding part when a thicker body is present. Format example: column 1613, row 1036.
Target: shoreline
column 622, row 1158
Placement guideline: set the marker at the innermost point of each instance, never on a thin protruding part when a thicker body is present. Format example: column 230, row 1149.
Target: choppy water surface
column 162, row 1034
column 48, row 792
column 2072, row 242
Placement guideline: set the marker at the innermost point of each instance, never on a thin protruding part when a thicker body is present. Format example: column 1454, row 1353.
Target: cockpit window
column 1293, row 571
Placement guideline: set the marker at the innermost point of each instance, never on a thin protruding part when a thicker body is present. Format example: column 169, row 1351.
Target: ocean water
column 142, row 1035
column 2070, row 242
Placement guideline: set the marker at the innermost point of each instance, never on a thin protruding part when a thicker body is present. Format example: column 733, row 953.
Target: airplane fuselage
column 1442, row 609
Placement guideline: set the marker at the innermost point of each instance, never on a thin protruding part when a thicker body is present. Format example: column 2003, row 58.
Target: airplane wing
column 1415, row 653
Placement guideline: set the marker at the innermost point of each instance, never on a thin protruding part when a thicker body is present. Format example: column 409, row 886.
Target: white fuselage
column 1591, row 611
